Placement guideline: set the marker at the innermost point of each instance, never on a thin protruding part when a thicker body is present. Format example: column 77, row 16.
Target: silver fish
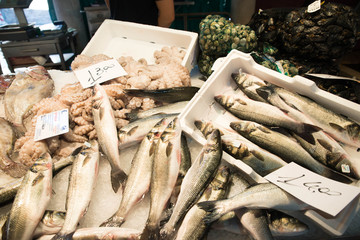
column 138, row 182
column 170, row 108
column 197, row 178
column 102, row 233
column 165, row 171
column 82, row 180
column 106, row 131
column 7, row 139
column 325, row 149
column 135, row 131
column 338, row 126
column 284, row 147
column 262, row 161
column 9, row 190
column 261, row 196
column 248, row 84
column 165, row 95
column 31, row 200
column 192, row 227
column 264, row 113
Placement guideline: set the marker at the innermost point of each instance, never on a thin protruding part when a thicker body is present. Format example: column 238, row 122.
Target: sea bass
column 264, row 113
column 82, row 180
column 106, row 131
column 325, row 149
column 170, row 108
column 165, row 171
column 248, row 84
column 262, row 161
column 31, row 200
column 338, row 126
column 197, row 178
column 138, row 182
column 135, row 131
column 193, row 227
column 285, row 147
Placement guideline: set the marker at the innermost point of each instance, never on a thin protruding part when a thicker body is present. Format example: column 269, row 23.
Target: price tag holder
column 51, row 124
column 315, row 6
column 99, row 73
column 320, row 192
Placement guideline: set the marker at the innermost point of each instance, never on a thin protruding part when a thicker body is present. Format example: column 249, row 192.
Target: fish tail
column 113, row 221
column 166, row 232
column 150, row 233
column 66, row 236
column 214, row 212
column 117, row 177
column 329, row 173
column 306, row 132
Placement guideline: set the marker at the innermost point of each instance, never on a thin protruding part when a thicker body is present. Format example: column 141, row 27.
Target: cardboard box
column 118, row 38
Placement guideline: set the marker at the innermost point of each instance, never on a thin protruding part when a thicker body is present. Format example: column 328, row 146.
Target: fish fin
column 102, row 112
column 258, row 155
column 337, row 127
column 60, row 236
column 117, row 178
column 213, row 211
column 264, row 92
column 264, row 129
column 169, row 149
column 307, row 131
column 329, row 173
column 38, row 179
column 132, row 116
column 240, row 101
column 150, row 233
column 76, row 151
column 113, row 221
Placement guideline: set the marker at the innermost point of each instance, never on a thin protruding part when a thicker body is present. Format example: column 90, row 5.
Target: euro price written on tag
column 320, row 192
column 51, row 124
column 99, row 73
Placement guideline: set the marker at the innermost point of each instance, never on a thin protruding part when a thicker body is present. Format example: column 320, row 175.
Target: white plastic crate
column 119, row 38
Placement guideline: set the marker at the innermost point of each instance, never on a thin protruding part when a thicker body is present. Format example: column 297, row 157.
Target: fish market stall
column 157, row 153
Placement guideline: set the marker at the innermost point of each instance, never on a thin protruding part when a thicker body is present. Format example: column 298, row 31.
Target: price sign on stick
column 100, row 72
column 51, row 124
column 322, row 193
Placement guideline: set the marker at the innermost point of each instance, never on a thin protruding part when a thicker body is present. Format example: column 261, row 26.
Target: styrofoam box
column 119, row 38
column 203, row 107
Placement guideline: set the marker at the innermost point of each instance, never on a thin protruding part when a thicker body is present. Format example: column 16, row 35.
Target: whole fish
column 197, row 178
column 170, row 108
column 261, row 196
column 135, row 131
column 338, row 126
column 106, row 131
column 254, row 221
column 31, row 200
column 165, row 95
column 262, row 161
column 264, row 113
column 138, row 182
column 82, row 180
column 193, row 227
column 248, row 84
column 9, row 190
column 284, row 147
column 7, row 139
column 102, row 233
column 165, row 171
column 325, row 149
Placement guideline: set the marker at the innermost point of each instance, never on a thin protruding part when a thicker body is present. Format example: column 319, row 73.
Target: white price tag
column 315, row 6
column 322, row 193
column 51, row 124
column 100, row 72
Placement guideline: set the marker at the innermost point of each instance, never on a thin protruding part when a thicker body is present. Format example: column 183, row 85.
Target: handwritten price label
column 315, row 6
column 100, row 72
column 51, row 124
column 322, row 193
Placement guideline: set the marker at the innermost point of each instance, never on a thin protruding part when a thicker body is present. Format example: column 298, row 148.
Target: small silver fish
column 31, row 200
column 135, row 131
column 106, row 131
column 82, row 180
column 165, row 171
column 195, row 181
column 138, row 182
column 193, row 227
